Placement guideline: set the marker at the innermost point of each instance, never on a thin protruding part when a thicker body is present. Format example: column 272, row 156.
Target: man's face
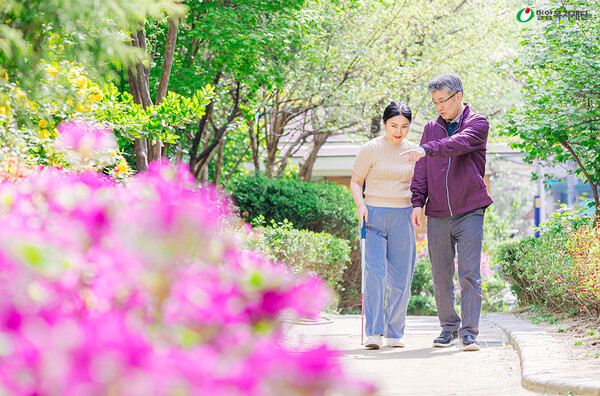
column 447, row 103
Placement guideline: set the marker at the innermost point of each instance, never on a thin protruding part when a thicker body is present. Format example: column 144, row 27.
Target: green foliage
column 319, row 207
column 495, row 230
column 244, row 41
column 565, row 220
column 496, row 294
column 27, row 127
column 422, row 301
column 540, row 270
column 88, row 31
column 236, row 152
column 362, row 56
column 167, row 121
column 304, row 251
column 558, row 120
column 28, row 122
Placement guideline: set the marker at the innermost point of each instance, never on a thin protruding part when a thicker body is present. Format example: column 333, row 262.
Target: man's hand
column 415, row 218
column 414, row 155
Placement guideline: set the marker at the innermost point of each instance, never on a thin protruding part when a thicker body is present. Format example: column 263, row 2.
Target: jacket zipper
column 448, row 171
column 448, row 191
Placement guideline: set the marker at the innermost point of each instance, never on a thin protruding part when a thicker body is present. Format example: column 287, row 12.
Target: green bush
column 318, row 207
column 422, row 301
column 542, row 271
column 539, row 271
column 320, row 254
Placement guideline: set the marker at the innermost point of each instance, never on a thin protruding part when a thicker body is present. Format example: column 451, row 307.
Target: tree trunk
column 593, row 185
column 197, row 170
column 375, row 127
column 292, row 149
column 306, row 167
column 254, row 139
column 140, row 151
column 168, row 62
column 205, row 155
column 219, row 164
column 198, row 137
column 278, row 122
column 171, row 39
column 139, row 87
column 204, row 175
column 179, row 151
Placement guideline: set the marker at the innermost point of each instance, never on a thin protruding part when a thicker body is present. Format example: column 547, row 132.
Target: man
column 449, row 179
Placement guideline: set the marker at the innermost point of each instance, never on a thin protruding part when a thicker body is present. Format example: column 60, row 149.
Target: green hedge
column 320, row 254
column 544, row 272
column 539, row 271
column 317, row 207
column 422, row 301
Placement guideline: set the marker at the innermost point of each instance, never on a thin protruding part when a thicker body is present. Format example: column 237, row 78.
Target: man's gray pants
column 462, row 233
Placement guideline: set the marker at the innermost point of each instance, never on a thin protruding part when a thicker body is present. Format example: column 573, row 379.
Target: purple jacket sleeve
column 418, row 187
column 470, row 138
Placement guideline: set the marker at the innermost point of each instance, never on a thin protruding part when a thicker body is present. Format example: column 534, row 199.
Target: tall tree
column 235, row 46
column 88, row 31
column 559, row 119
column 361, row 56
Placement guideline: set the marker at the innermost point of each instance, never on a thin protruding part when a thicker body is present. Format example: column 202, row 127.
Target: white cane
column 363, row 235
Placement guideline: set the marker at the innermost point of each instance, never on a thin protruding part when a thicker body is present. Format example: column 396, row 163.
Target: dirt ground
column 579, row 336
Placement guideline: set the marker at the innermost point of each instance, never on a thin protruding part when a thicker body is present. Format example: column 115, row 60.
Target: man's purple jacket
column 449, row 179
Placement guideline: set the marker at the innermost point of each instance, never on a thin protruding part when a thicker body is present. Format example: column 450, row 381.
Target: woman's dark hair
column 395, row 109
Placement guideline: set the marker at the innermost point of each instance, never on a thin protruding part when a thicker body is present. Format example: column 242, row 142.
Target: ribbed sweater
column 387, row 174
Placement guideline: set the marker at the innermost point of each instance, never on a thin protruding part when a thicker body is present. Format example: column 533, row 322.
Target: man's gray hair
column 449, row 81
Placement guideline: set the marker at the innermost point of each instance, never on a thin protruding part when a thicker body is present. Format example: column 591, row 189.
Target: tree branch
column 201, row 159
column 594, row 186
column 168, row 62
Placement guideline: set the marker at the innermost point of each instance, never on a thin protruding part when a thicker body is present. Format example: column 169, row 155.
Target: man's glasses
column 441, row 102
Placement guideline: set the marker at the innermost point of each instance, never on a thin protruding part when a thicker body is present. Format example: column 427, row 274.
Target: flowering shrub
column 108, row 289
column 29, row 125
column 539, row 271
column 584, row 247
column 558, row 270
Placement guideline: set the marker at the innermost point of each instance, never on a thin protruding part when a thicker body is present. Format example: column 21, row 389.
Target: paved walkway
column 420, row 369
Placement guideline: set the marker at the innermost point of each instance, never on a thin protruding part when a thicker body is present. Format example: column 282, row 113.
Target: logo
column 525, row 15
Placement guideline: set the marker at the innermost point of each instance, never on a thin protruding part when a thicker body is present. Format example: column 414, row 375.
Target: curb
column 542, row 360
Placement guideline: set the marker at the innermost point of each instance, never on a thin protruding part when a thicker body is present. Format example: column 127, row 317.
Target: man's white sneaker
column 373, row 342
column 396, row 342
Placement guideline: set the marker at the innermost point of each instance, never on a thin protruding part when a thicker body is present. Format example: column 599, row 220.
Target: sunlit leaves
column 88, row 31
column 559, row 120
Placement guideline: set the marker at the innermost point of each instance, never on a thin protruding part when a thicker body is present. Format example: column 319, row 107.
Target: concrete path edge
column 542, row 360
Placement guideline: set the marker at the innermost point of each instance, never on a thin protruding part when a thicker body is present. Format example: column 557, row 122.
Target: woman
column 390, row 236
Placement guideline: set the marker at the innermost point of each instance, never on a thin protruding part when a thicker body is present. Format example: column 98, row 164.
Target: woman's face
column 396, row 129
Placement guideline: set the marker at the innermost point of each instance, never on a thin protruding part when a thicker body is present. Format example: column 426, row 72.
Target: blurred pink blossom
column 138, row 290
column 85, row 137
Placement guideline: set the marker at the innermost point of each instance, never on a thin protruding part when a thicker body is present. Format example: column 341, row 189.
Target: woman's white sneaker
column 396, row 342
column 373, row 342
